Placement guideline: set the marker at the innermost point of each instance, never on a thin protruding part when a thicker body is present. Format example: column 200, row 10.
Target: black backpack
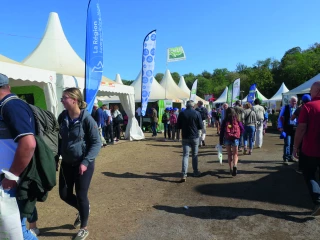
column 46, row 125
column 203, row 112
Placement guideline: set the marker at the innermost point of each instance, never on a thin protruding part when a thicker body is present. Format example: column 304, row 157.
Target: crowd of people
column 81, row 136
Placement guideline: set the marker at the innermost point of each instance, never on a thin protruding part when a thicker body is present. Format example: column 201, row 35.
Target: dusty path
column 136, row 194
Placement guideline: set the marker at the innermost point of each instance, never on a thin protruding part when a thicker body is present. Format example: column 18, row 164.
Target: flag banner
column 236, row 90
column 175, row 54
column 193, row 91
column 148, row 55
column 252, row 93
column 229, row 95
column 94, row 53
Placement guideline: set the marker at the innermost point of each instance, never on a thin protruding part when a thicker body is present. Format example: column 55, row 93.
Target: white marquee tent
column 305, row 87
column 22, row 76
column 182, row 84
column 264, row 99
column 56, row 54
column 223, row 97
column 172, row 88
column 278, row 96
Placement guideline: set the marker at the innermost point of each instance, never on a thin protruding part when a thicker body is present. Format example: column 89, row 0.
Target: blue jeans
column 27, row 235
column 186, row 145
column 241, row 140
column 154, row 128
column 248, row 133
column 288, row 147
column 167, row 130
column 310, row 167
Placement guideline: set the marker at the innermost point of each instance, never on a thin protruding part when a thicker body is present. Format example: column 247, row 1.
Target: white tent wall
column 20, row 75
column 125, row 94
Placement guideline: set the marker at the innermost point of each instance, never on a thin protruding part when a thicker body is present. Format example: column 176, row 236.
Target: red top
column 310, row 114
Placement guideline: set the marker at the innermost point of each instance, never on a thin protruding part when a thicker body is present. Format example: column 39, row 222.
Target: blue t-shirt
column 100, row 117
column 18, row 121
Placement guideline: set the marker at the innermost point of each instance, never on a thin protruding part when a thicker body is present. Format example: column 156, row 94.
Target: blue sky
column 213, row 33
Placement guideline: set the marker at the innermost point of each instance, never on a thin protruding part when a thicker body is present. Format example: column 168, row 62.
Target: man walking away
column 190, row 122
column 259, row 110
column 204, row 115
column 308, row 133
column 287, row 128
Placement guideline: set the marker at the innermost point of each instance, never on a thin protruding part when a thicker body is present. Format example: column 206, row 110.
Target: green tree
column 176, row 77
column 159, row 77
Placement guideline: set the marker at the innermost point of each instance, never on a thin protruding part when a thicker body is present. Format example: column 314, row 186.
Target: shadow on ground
column 230, row 213
column 155, row 176
column 284, row 187
column 46, row 232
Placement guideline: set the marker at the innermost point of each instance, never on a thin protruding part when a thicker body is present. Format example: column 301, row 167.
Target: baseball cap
column 4, row 80
column 175, row 109
column 306, row 98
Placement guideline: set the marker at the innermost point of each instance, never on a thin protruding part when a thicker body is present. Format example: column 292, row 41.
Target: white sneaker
column 82, row 234
column 35, row 231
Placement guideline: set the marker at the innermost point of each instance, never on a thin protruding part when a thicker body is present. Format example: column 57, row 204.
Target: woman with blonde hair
column 79, row 146
column 250, row 121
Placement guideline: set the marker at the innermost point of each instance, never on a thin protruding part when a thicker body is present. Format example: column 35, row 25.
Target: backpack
column 173, row 119
column 46, row 125
column 203, row 112
column 232, row 130
column 164, row 118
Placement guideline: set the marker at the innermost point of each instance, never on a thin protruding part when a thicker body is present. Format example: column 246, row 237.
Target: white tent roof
column 118, row 79
column 305, row 87
column 157, row 91
column 223, row 97
column 182, row 84
column 264, row 99
column 172, row 88
column 55, row 53
column 278, row 95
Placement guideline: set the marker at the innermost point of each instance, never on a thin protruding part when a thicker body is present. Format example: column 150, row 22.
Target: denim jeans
column 167, row 130
column 310, row 166
column 241, row 140
column 288, row 147
column 186, row 145
column 154, row 128
column 27, row 235
column 248, row 133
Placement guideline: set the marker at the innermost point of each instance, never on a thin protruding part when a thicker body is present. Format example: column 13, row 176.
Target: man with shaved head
column 308, row 133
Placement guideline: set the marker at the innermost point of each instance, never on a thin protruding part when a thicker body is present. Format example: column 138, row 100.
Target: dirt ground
column 135, row 194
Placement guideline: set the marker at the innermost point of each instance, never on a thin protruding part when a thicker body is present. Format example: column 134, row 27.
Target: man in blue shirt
column 190, row 122
column 287, row 128
column 100, row 119
column 19, row 119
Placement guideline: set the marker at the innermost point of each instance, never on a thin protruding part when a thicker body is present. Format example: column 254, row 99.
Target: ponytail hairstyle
column 76, row 94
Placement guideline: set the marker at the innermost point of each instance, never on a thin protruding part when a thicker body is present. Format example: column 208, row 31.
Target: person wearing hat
column 305, row 99
column 18, row 124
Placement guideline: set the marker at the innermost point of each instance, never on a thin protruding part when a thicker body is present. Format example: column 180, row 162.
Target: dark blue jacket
column 190, row 122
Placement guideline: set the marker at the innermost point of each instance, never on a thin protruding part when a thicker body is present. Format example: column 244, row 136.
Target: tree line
column 295, row 67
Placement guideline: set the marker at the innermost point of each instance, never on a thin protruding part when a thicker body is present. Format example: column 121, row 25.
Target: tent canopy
column 263, row 98
column 278, row 95
column 305, row 87
column 182, row 84
column 172, row 88
column 223, row 97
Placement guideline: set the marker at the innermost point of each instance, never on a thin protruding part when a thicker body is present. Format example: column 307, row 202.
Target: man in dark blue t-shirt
column 19, row 119
column 190, row 122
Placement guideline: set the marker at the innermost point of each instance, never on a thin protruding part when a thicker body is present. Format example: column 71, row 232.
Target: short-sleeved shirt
column 18, row 121
column 310, row 114
column 19, row 117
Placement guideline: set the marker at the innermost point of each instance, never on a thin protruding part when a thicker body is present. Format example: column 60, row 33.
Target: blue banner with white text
column 148, row 55
column 252, row 93
column 94, row 53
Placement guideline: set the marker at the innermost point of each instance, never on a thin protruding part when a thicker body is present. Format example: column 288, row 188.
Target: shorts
column 233, row 143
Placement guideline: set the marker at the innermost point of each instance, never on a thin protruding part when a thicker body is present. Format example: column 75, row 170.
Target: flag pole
column 85, row 60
